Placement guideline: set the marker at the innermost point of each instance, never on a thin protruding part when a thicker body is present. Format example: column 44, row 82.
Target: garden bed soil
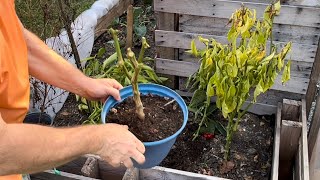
column 250, row 157
column 163, row 117
column 69, row 115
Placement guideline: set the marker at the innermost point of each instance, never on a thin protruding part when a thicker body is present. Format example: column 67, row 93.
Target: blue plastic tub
column 155, row 151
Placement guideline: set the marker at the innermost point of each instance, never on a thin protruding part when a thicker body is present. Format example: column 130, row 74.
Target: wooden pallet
column 179, row 22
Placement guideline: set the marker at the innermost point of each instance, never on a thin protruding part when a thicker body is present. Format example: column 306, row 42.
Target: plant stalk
column 118, row 50
column 69, row 32
column 134, row 82
column 144, row 46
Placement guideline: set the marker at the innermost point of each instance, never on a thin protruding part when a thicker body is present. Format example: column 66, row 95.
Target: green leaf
column 257, row 91
column 198, row 98
column 140, row 30
column 286, row 72
column 101, row 52
column 220, row 128
column 111, row 59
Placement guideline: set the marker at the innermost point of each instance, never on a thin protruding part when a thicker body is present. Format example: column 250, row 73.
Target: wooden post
column 314, row 128
column 315, row 161
column 129, row 26
column 276, row 145
column 168, row 22
column 91, row 168
column 314, row 79
column 289, row 143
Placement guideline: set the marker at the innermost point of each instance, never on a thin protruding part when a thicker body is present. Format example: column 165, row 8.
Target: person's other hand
column 100, row 89
column 119, row 145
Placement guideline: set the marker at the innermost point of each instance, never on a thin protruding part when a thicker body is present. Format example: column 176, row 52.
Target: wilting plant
column 125, row 70
column 230, row 71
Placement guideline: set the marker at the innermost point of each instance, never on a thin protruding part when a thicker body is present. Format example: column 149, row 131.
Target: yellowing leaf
column 232, row 70
column 257, row 91
column 210, row 90
column 277, row 7
column 194, row 50
column 204, row 40
column 286, row 72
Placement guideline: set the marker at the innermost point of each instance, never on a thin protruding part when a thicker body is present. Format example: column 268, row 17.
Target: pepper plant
column 121, row 69
column 230, row 71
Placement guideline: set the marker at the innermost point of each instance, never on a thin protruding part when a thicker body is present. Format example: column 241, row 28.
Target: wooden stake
column 129, row 27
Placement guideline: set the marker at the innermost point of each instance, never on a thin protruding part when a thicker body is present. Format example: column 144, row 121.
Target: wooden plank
column 315, row 161
column 116, row 11
column 304, row 143
column 185, row 69
column 293, row 15
column 314, row 128
column 131, row 174
column 162, row 173
column 106, row 171
column 129, row 27
column 259, row 108
column 167, row 21
column 181, row 40
column 50, row 174
column 291, row 110
column 314, row 79
column 297, row 165
column 289, row 142
column 276, row 144
column 91, row 168
column 298, row 68
column 220, row 27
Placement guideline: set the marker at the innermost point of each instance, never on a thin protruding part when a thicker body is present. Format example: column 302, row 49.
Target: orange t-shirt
column 14, row 75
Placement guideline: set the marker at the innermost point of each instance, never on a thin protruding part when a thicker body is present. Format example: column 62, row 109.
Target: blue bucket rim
column 185, row 120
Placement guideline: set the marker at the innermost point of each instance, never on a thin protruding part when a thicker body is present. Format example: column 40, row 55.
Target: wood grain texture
column 276, row 144
column 314, row 79
column 162, row 173
column 291, row 110
column 167, row 21
column 314, row 128
column 181, row 40
column 289, row 142
column 304, row 167
column 293, row 15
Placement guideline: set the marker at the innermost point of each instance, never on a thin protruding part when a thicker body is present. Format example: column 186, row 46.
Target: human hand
column 100, row 89
column 119, row 145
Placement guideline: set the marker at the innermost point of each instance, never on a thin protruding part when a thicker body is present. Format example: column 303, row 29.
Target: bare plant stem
column 144, row 46
column 70, row 36
column 114, row 34
column 134, row 82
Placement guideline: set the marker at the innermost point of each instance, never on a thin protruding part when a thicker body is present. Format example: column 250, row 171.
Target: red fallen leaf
column 208, row 136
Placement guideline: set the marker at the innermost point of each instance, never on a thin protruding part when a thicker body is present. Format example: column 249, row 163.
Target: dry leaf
column 255, row 159
column 226, row 167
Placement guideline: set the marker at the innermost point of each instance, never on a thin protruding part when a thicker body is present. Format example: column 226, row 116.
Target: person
column 27, row 148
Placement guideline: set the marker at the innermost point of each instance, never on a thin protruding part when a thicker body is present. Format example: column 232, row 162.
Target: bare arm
column 46, row 65
column 32, row 148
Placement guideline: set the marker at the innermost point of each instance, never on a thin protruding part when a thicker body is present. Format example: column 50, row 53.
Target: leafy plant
column 230, row 71
column 119, row 68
